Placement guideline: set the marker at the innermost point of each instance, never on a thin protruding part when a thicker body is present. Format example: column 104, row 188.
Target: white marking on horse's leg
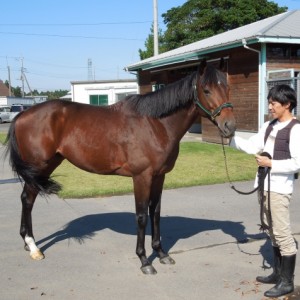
column 35, row 252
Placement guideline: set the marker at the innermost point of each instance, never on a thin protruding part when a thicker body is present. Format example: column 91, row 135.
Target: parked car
column 4, row 114
column 17, row 108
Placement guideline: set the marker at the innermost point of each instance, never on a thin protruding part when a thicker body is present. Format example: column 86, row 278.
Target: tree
column 51, row 94
column 199, row 19
column 149, row 44
column 16, row 91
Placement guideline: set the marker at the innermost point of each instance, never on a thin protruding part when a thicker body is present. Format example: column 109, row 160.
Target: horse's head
column 211, row 96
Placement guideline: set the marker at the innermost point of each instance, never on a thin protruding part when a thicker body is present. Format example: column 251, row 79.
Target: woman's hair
column 283, row 94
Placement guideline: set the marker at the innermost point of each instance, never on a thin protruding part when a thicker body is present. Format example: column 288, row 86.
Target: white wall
column 15, row 100
column 81, row 91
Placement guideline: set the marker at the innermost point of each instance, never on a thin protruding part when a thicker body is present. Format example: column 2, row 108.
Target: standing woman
column 281, row 139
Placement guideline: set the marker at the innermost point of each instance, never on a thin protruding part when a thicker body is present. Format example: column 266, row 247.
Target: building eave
column 278, row 39
column 184, row 57
column 202, row 53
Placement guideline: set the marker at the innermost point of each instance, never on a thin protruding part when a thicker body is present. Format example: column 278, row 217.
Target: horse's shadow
column 173, row 228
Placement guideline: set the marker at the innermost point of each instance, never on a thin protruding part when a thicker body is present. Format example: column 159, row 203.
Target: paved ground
column 89, row 245
column 4, row 127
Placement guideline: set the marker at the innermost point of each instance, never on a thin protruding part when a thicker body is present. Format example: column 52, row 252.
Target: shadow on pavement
column 173, row 228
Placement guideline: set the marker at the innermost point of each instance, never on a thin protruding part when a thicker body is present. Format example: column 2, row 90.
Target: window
column 19, row 107
column 5, row 109
column 156, row 87
column 295, row 51
column 285, row 76
column 99, row 100
column 283, row 51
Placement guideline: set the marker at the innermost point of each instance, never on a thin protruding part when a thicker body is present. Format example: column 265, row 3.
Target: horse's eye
column 206, row 92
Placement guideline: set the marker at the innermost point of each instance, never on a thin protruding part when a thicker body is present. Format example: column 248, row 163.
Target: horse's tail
column 25, row 171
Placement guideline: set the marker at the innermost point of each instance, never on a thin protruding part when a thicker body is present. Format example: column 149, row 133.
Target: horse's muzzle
column 227, row 127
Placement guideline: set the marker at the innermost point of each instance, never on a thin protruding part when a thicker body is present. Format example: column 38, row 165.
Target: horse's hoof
column 148, row 270
column 37, row 255
column 167, row 260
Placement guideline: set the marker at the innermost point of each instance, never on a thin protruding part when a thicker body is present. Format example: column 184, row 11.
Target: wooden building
column 257, row 56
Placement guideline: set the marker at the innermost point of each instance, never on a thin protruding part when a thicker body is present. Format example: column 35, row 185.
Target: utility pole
column 155, row 27
column 27, row 84
column 22, row 77
column 90, row 70
column 9, row 80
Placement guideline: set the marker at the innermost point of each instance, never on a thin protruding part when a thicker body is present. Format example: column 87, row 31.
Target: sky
column 55, row 39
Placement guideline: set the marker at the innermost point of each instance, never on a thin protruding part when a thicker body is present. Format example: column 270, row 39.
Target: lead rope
column 228, row 177
column 262, row 173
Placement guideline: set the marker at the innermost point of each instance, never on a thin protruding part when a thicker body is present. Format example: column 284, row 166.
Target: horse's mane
column 173, row 96
column 165, row 101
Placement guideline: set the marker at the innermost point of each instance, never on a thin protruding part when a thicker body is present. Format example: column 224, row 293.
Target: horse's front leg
column 141, row 192
column 154, row 209
column 28, row 198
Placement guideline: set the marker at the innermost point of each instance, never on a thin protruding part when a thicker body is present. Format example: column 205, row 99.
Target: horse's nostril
column 228, row 128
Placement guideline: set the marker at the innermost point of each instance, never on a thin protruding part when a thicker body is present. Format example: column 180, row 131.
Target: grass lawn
column 198, row 164
column 2, row 137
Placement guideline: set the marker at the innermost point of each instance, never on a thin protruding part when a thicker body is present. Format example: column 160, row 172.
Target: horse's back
column 107, row 140
column 60, row 113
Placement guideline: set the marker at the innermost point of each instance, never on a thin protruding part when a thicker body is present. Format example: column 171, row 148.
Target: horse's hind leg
column 28, row 198
column 154, row 210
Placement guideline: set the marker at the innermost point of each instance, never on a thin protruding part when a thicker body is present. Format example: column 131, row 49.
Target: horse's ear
column 222, row 64
column 202, row 66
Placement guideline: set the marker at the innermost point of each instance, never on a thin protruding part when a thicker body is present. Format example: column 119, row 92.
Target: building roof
column 104, row 81
column 282, row 28
column 67, row 96
column 4, row 91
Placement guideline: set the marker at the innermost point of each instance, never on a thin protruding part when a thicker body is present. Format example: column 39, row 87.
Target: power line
column 75, row 24
column 43, row 63
column 72, row 36
column 55, row 65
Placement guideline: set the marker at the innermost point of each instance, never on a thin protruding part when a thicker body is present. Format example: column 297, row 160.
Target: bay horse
column 137, row 137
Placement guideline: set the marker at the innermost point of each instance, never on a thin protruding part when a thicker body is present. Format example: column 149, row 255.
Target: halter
column 214, row 113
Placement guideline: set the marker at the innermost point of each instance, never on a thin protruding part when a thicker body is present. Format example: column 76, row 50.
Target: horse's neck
column 178, row 123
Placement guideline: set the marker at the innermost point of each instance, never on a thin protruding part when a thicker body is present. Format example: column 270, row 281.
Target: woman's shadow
column 173, row 228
